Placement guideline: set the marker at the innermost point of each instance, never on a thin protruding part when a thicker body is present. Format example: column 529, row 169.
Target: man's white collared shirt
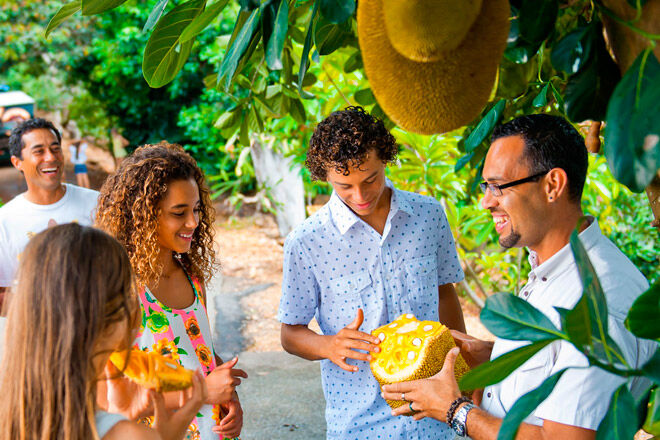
column 582, row 395
column 334, row 263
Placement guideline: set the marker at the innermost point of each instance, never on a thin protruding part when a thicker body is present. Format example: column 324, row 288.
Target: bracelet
column 454, row 406
column 459, row 422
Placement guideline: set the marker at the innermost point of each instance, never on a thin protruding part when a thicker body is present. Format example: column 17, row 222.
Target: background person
column 158, row 206
column 74, row 304
column 534, row 174
column 36, row 151
column 79, row 159
column 372, row 253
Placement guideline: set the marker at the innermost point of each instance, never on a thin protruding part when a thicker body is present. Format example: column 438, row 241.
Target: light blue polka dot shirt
column 334, row 263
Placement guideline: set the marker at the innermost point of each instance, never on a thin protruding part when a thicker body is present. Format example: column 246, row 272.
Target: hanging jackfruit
column 410, row 350
column 152, row 370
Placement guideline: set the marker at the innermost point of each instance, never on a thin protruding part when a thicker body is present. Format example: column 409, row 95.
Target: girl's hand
column 222, row 382
column 124, row 396
column 172, row 425
column 231, row 424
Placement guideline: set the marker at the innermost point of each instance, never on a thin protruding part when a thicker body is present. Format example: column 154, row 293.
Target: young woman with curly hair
column 73, row 305
column 371, row 254
column 157, row 204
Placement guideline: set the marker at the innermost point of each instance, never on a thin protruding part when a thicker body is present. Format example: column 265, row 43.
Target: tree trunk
column 626, row 44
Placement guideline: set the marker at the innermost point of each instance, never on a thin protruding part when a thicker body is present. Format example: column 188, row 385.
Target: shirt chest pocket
column 344, row 295
column 530, row 375
column 422, row 278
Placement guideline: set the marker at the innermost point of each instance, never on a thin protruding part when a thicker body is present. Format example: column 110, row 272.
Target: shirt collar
column 344, row 218
column 562, row 259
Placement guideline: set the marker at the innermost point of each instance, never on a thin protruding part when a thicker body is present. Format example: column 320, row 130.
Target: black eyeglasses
column 496, row 189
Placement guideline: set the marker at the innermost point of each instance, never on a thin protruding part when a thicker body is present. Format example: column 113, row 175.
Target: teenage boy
column 534, row 174
column 36, row 151
column 372, row 253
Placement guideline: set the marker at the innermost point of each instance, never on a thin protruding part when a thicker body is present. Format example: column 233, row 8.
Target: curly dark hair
column 343, row 140
column 128, row 210
column 16, row 143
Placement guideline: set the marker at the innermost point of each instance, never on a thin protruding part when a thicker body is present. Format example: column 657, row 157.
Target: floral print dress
column 184, row 335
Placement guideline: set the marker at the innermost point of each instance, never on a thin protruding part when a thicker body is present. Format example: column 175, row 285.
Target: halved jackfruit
column 410, row 350
column 152, row 370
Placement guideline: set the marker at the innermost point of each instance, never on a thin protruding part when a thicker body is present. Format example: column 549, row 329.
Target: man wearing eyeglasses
column 534, row 174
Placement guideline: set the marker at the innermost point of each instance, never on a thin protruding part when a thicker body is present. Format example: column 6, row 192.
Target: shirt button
column 544, row 279
column 526, row 293
column 488, row 394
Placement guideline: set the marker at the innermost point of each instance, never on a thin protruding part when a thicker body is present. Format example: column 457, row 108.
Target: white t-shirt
column 82, row 155
column 582, row 396
column 20, row 220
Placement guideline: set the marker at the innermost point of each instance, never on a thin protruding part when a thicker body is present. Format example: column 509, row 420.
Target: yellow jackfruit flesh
column 422, row 30
column 152, row 370
column 410, row 350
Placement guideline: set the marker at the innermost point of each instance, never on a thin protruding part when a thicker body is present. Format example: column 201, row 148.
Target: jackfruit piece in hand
column 152, row 370
column 411, row 350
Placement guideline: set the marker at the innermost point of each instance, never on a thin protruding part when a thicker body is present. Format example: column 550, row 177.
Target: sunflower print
column 192, row 328
column 192, row 433
column 157, row 322
column 166, row 348
column 204, row 355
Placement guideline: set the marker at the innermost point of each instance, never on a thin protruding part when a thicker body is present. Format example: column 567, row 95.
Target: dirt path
column 251, row 254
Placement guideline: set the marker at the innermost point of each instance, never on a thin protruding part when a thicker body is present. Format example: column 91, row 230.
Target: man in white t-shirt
column 534, row 175
column 36, row 151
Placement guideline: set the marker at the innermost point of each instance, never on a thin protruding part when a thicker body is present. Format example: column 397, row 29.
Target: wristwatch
column 458, row 423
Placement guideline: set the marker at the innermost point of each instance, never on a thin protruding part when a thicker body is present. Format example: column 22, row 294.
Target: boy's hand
column 474, row 351
column 222, row 382
column 344, row 344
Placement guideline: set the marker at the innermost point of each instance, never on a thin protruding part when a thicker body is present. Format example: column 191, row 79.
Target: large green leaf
column 238, row 48
column 652, row 368
column 275, row 43
column 652, row 423
column 64, row 12
column 541, row 100
column 155, row 15
column 537, row 19
column 509, row 317
column 642, row 319
column 618, row 423
column 329, row 36
column 525, row 405
column 632, row 134
column 337, row 11
column 577, row 323
column 202, row 20
column 165, row 54
column 572, row 52
column 485, row 126
column 91, row 7
column 518, row 50
column 498, row 369
column 601, row 343
column 304, row 58
column 588, row 91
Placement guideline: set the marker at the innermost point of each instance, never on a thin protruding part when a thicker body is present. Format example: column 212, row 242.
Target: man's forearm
column 303, row 342
column 449, row 308
column 483, row 426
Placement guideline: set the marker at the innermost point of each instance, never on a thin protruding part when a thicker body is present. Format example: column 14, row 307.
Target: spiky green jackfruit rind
column 411, row 350
column 439, row 96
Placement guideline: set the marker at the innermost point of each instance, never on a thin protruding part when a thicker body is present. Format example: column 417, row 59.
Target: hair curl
column 343, row 141
column 128, row 209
